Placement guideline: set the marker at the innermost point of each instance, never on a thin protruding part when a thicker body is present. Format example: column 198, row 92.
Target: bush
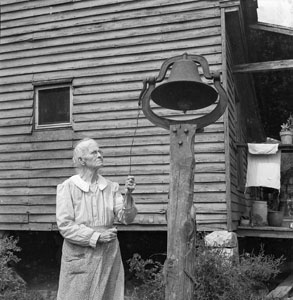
column 220, row 279
column 217, row 277
column 11, row 285
column 149, row 278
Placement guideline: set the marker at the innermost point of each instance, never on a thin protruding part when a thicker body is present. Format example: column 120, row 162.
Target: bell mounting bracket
column 150, row 84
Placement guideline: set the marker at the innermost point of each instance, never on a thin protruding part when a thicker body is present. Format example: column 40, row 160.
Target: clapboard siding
column 100, row 14
column 136, row 43
column 98, row 62
column 41, row 39
column 237, row 131
column 119, row 153
column 106, row 48
column 201, row 140
column 17, row 96
column 233, row 124
column 39, row 7
column 212, row 133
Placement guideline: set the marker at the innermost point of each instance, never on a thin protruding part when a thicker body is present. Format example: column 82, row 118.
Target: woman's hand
column 108, row 235
column 129, row 184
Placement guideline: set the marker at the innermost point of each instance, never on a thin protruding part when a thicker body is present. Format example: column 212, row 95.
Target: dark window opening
column 53, row 106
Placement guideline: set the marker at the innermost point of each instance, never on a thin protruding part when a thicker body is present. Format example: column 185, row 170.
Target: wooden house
column 71, row 69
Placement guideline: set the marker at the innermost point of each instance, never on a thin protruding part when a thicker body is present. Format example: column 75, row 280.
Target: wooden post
column 179, row 265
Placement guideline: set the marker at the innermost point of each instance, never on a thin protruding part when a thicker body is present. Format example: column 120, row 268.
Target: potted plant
column 286, row 133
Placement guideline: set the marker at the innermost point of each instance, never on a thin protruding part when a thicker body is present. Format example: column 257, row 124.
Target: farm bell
column 184, row 89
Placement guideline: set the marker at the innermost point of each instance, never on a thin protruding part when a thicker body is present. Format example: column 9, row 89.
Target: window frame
column 37, row 88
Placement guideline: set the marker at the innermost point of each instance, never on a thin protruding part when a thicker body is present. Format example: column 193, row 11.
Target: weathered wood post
column 181, row 215
column 183, row 91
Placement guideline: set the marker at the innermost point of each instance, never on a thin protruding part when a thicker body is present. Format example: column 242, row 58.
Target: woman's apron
column 91, row 273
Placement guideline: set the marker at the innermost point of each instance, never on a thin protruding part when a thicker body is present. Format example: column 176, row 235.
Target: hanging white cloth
column 263, row 148
column 263, row 166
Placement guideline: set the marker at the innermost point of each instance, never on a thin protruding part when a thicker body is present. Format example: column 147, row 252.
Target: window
column 53, row 106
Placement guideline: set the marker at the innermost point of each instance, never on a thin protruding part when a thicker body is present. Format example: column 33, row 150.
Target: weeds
column 11, row 286
column 149, row 278
column 217, row 276
column 220, row 279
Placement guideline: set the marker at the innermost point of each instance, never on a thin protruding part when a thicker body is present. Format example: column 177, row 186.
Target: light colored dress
column 90, row 270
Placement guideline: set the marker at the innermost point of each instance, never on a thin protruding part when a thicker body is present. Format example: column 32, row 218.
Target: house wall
column 107, row 48
column 242, row 119
column 237, row 157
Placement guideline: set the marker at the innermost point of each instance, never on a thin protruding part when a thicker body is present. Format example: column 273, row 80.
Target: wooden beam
column 283, row 147
column 282, row 290
column 272, row 28
column 266, row 66
column 265, row 232
column 232, row 5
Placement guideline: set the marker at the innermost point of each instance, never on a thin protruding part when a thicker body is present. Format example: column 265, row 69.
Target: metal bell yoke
column 183, row 91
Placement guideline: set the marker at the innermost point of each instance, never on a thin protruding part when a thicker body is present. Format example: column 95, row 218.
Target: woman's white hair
column 80, row 150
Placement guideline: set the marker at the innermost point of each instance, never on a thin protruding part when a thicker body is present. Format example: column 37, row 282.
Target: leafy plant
column 288, row 125
column 220, row 279
column 217, row 277
column 11, row 286
column 149, row 278
column 285, row 127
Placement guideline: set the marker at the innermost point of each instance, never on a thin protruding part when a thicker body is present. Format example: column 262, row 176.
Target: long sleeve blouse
column 84, row 210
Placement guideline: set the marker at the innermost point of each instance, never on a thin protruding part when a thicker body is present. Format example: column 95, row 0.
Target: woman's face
column 93, row 157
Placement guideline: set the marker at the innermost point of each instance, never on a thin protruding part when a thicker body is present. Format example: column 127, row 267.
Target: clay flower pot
column 275, row 218
column 286, row 137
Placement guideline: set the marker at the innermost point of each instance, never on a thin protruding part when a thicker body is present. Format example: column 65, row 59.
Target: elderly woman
column 87, row 203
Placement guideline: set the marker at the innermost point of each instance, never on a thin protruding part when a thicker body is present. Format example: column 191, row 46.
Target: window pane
column 54, row 106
